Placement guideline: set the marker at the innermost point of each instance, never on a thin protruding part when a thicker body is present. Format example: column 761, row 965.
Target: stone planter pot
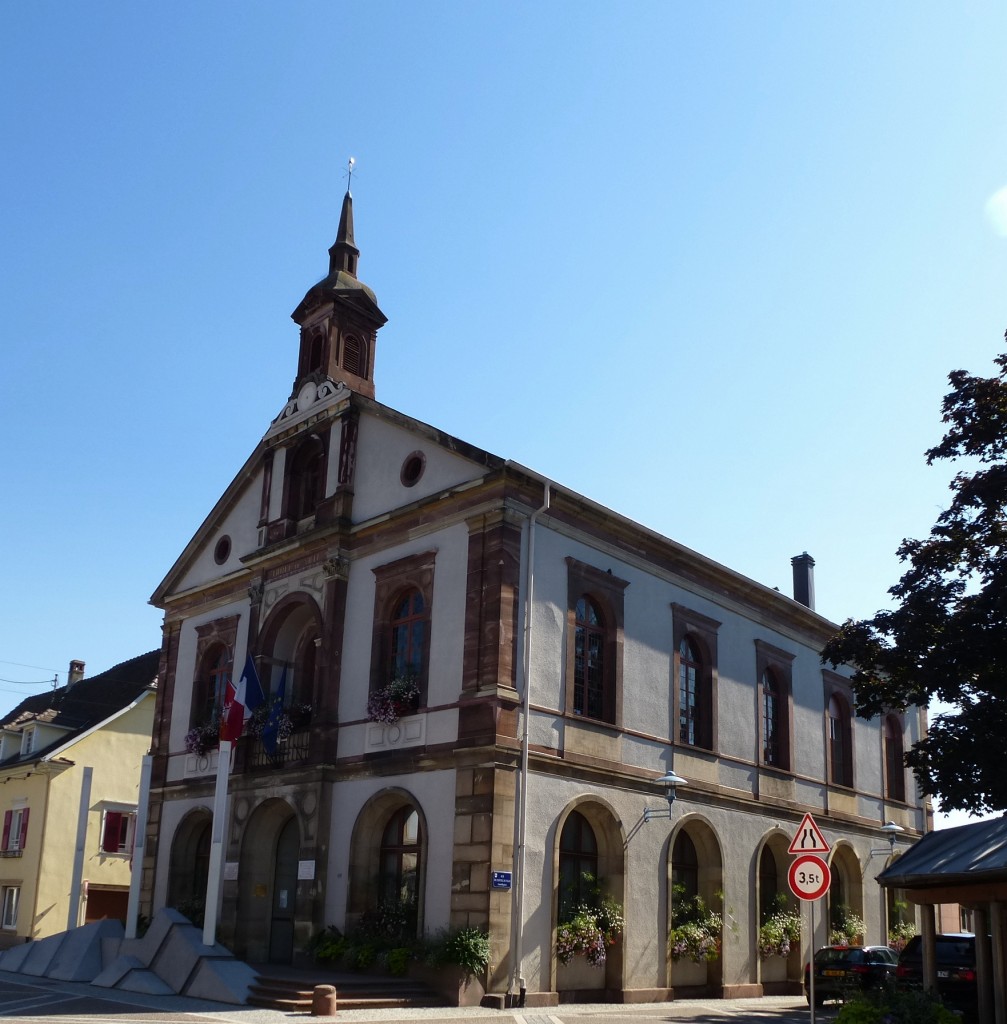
column 457, row 987
column 578, row 975
column 773, row 969
column 688, row 974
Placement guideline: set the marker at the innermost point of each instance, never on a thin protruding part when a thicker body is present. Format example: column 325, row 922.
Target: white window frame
column 27, row 740
column 129, row 810
column 14, row 836
column 11, row 898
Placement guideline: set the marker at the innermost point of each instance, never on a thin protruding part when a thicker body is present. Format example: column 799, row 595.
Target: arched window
column 214, row 675
column 689, row 705
column 589, row 660
column 578, row 864
column 840, row 753
column 399, row 877
column 303, row 690
column 684, row 873
column 770, row 718
column 315, row 351
column 402, row 625
column 407, row 640
column 305, row 478
column 895, row 776
column 837, row 907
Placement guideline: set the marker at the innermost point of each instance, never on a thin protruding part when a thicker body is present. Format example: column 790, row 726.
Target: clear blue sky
column 708, row 264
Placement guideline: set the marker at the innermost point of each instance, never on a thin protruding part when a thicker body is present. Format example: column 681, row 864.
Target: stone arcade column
column 984, row 964
column 929, row 948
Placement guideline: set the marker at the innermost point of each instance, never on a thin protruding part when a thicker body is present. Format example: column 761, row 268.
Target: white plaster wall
column 241, row 524
column 434, row 792
column 648, row 685
column 382, row 447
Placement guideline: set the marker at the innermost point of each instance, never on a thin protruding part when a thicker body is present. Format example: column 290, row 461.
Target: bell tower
column 339, row 319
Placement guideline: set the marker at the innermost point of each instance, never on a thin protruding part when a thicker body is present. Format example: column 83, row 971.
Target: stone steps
column 294, row 994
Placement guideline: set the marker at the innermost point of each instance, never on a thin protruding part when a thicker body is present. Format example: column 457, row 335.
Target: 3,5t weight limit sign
column 809, row 877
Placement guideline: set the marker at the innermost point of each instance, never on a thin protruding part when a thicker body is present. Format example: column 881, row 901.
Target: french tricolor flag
column 241, row 702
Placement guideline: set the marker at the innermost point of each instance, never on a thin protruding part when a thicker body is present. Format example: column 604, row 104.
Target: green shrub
column 398, row 960
column 895, row 1006
column 330, row 950
column 362, row 956
column 467, row 948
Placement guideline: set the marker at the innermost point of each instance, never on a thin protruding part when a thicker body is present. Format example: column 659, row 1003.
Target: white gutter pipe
column 520, row 853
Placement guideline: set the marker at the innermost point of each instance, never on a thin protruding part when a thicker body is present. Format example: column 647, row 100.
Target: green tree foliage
column 947, row 636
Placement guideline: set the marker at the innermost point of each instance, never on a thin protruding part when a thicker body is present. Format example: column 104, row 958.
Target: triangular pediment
column 391, row 462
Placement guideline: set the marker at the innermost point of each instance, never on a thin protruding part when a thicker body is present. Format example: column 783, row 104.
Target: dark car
column 956, row 970
column 840, row 970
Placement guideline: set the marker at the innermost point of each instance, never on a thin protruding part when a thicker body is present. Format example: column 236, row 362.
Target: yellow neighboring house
column 46, row 744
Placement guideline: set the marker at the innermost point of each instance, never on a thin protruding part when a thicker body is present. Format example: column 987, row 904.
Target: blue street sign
column 501, row 880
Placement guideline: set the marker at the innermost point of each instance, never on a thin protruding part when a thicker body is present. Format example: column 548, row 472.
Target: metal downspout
column 517, row 971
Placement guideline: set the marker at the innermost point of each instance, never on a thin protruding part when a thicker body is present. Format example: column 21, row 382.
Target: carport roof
column 974, row 854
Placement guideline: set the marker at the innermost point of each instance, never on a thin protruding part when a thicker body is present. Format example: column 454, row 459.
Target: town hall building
column 491, row 687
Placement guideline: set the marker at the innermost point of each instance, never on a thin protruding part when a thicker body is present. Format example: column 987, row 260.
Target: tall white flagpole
column 216, row 870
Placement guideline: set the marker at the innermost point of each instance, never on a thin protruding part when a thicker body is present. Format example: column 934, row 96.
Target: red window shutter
column 110, row 839
column 6, row 829
column 24, row 828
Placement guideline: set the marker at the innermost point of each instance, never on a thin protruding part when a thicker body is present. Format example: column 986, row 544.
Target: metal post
column 811, row 962
column 139, row 844
column 73, row 912
column 216, row 870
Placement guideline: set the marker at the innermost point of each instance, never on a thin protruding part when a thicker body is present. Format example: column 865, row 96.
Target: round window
column 412, row 468
column 222, row 551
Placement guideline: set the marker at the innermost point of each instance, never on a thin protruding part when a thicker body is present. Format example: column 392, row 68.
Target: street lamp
column 891, row 832
column 671, row 782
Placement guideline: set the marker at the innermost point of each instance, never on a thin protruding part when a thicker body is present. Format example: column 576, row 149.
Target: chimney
column 76, row 673
column 804, row 579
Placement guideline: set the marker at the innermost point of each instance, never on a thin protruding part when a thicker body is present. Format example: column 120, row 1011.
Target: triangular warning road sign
column 809, row 838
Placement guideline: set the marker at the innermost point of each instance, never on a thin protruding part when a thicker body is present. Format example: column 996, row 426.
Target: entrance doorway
column 267, row 885
column 281, row 928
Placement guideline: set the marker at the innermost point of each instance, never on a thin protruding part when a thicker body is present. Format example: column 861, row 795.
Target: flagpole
column 216, row 870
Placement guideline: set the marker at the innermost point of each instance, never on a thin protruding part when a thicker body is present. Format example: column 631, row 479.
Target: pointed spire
column 343, row 254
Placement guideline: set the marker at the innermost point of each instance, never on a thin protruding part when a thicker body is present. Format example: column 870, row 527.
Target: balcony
column 292, row 749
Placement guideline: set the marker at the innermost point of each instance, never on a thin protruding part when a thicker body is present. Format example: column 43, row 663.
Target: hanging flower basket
column 390, row 703
column 204, row 737
column 590, row 932
column 697, row 936
column 780, row 934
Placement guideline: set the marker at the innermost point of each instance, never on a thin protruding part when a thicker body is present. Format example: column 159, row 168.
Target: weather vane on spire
column 349, row 172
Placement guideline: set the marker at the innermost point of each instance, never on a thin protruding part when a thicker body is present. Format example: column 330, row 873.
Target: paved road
column 28, row 1000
